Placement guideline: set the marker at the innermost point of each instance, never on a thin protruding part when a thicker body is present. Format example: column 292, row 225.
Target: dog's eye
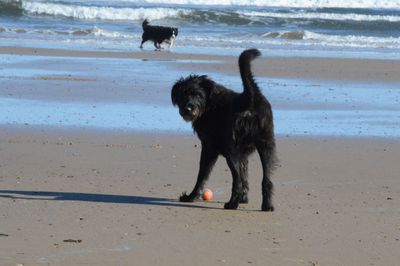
column 197, row 94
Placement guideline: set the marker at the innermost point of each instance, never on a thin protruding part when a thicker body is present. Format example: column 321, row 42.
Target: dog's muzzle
column 190, row 112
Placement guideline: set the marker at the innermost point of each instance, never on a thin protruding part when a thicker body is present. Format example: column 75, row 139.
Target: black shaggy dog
column 232, row 125
column 158, row 34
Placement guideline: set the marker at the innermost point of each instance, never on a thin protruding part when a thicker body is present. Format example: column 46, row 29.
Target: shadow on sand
column 92, row 197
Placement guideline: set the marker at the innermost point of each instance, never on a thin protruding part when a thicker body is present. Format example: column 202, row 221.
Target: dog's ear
column 176, row 92
column 207, row 84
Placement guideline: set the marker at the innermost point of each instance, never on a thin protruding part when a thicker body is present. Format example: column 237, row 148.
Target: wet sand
column 368, row 70
column 129, row 90
column 108, row 197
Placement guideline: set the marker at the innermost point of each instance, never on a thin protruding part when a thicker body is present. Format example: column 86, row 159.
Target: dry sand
column 113, row 196
column 83, row 197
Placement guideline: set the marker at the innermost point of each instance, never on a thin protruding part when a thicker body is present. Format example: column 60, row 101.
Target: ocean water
column 312, row 27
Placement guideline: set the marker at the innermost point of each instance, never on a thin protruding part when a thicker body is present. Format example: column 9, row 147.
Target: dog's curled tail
column 145, row 23
column 250, row 87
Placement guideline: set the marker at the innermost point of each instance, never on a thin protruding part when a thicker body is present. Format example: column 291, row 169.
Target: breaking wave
column 203, row 10
column 355, row 41
column 324, row 16
column 374, row 4
column 105, row 13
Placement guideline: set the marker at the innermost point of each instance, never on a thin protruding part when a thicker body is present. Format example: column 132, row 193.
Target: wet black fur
column 157, row 34
column 230, row 124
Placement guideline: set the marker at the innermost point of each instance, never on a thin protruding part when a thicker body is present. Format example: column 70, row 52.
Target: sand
column 367, row 70
column 95, row 197
column 98, row 198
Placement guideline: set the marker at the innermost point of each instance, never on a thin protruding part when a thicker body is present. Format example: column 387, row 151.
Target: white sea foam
column 281, row 3
column 106, row 13
column 323, row 16
column 110, row 34
column 352, row 41
column 95, row 31
column 306, row 38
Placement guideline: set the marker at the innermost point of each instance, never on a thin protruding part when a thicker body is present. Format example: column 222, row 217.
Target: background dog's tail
column 145, row 23
column 250, row 87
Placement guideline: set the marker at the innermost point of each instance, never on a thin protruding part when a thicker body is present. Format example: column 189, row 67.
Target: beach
column 94, row 157
column 89, row 198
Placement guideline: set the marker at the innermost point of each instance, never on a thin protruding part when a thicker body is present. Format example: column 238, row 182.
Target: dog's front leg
column 234, row 166
column 157, row 45
column 207, row 161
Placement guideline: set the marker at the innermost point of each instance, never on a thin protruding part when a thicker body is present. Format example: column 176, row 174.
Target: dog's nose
column 189, row 107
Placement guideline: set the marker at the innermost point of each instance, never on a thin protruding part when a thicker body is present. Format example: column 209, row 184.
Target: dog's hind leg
column 245, row 184
column 207, row 161
column 237, row 188
column 267, row 157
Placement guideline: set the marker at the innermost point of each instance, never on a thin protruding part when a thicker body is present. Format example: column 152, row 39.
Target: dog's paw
column 186, row 198
column 231, row 205
column 267, row 208
column 244, row 199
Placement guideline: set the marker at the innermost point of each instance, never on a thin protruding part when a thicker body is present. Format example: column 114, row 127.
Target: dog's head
column 174, row 32
column 191, row 94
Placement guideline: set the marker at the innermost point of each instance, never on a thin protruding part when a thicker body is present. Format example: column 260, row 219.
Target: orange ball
column 207, row 194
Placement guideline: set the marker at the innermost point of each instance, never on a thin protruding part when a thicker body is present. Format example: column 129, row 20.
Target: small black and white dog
column 230, row 124
column 158, row 34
